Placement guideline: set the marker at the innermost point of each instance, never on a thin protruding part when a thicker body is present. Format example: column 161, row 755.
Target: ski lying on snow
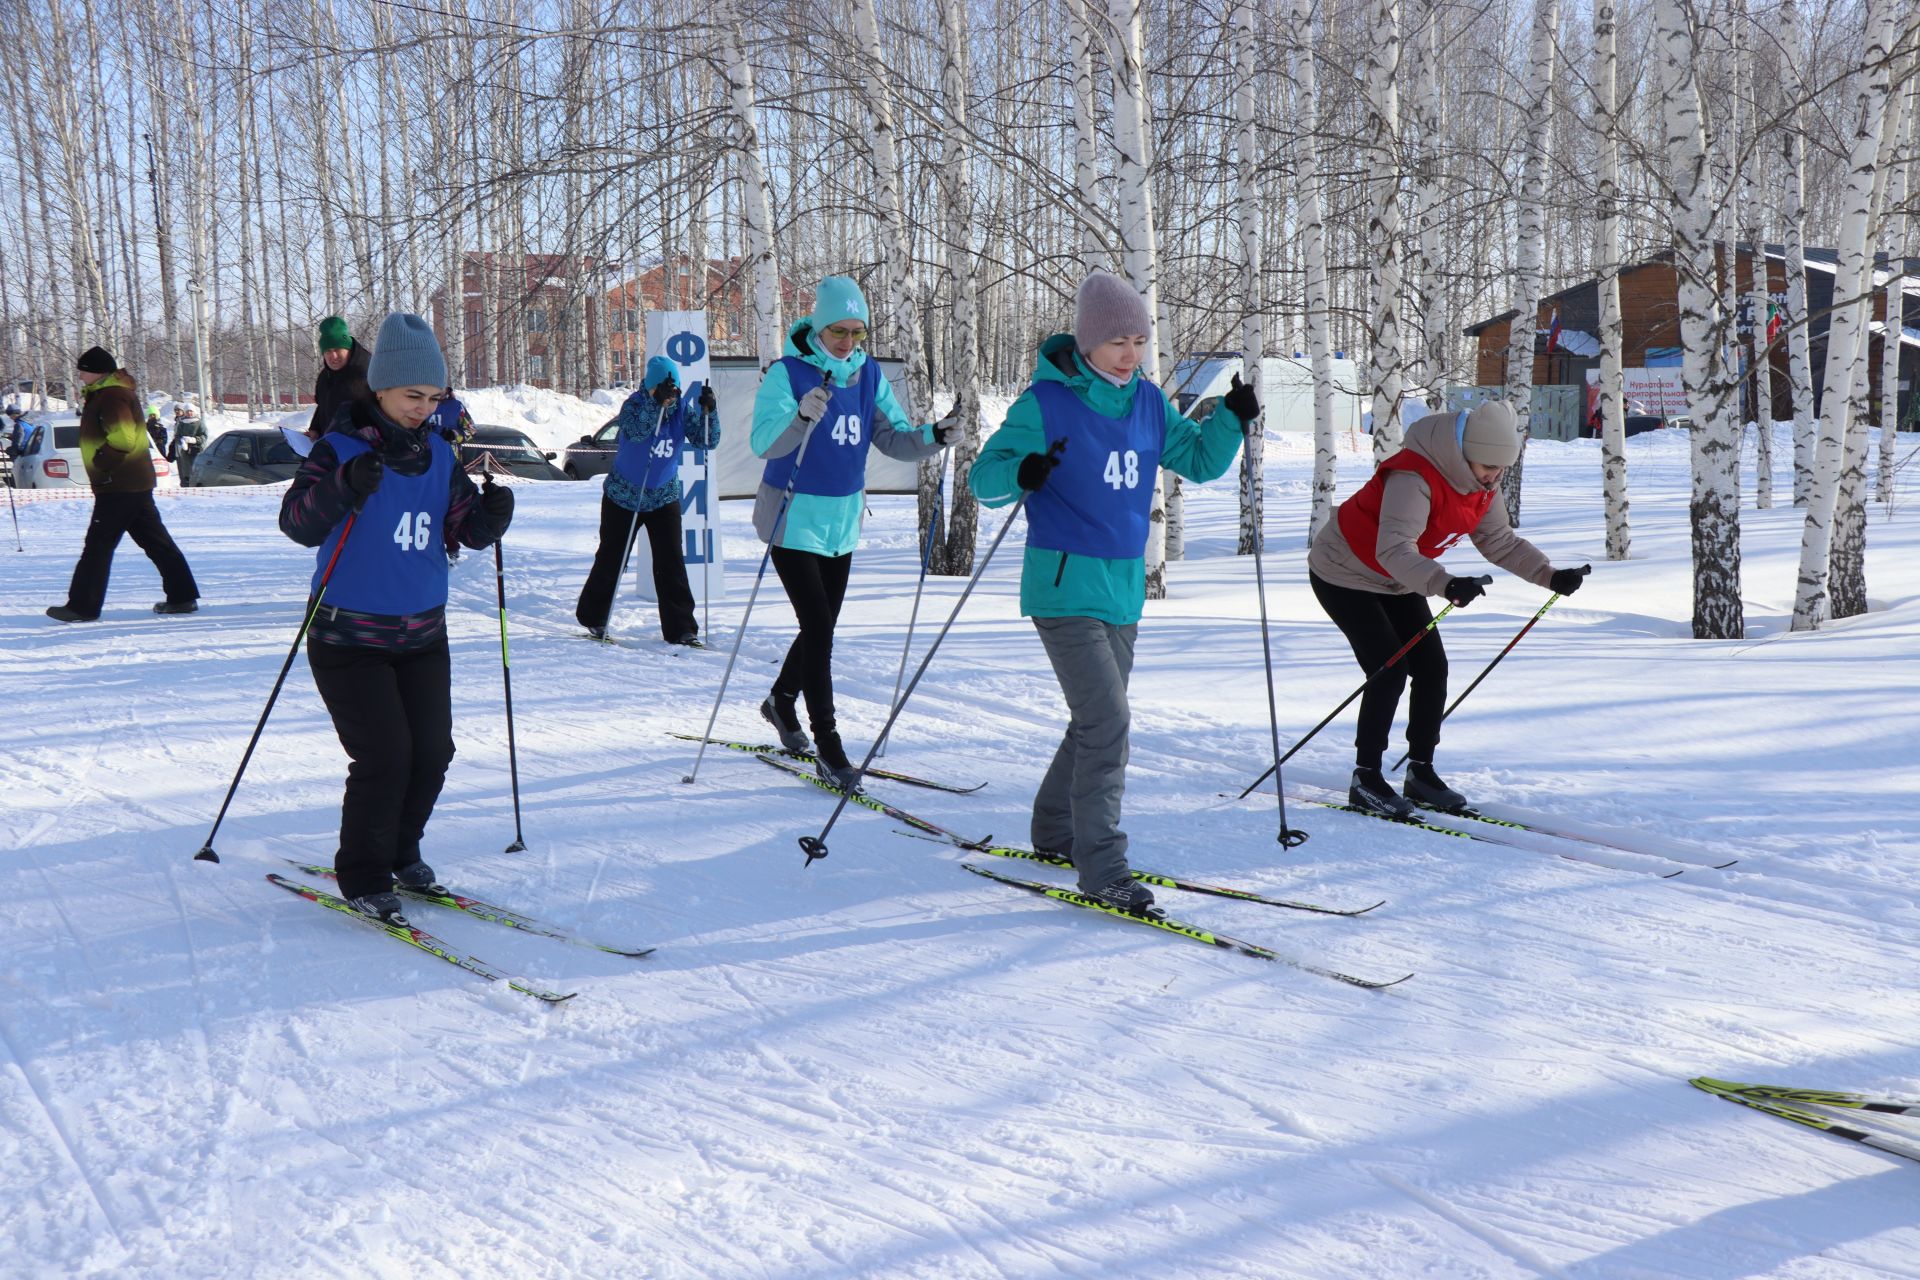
column 1816, row 1097
column 1536, row 827
column 1763, row 1098
column 421, row 939
column 488, row 911
column 1482, row 836
column 775, row 749
column 868, row 801
column 1165, row 881
column 1158, row 920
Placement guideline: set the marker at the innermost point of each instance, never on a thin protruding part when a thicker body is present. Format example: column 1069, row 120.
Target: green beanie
column 334, row 335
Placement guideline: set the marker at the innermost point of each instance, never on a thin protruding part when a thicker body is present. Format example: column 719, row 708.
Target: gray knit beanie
column 406, row 355
column 1107, row 308
column 1490, row 435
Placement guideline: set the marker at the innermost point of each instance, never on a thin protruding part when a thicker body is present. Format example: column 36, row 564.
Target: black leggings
column 670, row 586
column 394, row 715
column 815, row 586
column 1376, row 625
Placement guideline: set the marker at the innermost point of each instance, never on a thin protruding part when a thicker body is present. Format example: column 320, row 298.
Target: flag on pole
column 1775, row 318
column 1553, row 331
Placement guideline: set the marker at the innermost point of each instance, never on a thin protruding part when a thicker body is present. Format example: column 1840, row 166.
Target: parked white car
column 50, row 456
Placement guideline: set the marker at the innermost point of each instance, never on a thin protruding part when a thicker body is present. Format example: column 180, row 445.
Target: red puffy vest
column 1452, row 517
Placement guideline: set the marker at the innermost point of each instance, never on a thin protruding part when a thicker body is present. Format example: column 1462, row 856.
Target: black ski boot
column 384, row 907
column 1423, row 786
column 1125, row 894
column 832, row 764
column 1370, row 791
column 779, row 712
column 419, row 877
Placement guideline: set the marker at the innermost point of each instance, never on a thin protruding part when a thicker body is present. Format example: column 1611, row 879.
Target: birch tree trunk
column 1793, row 217
column 1759, row 355
column 1852, row 279
column 1133, row 177
column 956, row 191
column 1384, row 372
column 1431, row 290
column 1531, row 255
column 1613, row 417
column 755, row 196
column 1715, row 507
column 1313, row 234
column 1253, row 328
column 1892, row 235
column 1086, row 170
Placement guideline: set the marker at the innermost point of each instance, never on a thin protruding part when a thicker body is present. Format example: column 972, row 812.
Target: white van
column 49, row 457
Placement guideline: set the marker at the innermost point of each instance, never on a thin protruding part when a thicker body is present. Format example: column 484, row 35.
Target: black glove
column 496, row 501
column 1036, row 467
column 1462, row 592
column 707, row 400
column 364, row 473
column 1240, row 399
column 1567, row 581
column 666, row 393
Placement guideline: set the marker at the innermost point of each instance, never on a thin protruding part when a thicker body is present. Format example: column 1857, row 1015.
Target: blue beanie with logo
column 659, row 370
column 838, row 298
column 406, row 354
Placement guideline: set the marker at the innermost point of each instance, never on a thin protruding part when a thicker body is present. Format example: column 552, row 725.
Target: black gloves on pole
column 1036, row 467
column 1240, row 399
column 364, row 474
column 707, row 400
column 1462, row 592
column 666, row 393
column 496, row 502
column 1567, row 581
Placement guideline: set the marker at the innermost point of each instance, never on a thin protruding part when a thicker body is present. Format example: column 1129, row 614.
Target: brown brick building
column 726, row 294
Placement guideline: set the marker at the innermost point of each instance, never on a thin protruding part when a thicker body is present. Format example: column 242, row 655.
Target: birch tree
column 1894, row 237
column 956, row 542
column 1530, row 255
column 1852, row 280
column 756, row 199
column 1759, row 355
column 1086, row 169
column 1314, row 251
column 1793, row 218
column 1715, row 508
column 1385, row 358
column 1253, row 327
column 1613, row 418
column 1430, row 198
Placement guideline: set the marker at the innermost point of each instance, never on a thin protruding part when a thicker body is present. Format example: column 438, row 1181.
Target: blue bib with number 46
column 836, row 461
column 1099, row 498
column 395, row 562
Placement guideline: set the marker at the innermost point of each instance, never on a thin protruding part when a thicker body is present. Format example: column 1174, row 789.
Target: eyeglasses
column 841, row 333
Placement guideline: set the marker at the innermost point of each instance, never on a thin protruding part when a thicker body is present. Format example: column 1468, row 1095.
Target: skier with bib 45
column 1373, row 566
column 1084, row 442
column 378, row 643
column 818, row 410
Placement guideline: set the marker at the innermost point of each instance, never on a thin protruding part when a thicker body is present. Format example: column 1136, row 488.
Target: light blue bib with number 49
column 1099, row 499
column 394, row 563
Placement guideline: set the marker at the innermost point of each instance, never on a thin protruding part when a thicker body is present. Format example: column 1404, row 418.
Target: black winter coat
column 348, row 386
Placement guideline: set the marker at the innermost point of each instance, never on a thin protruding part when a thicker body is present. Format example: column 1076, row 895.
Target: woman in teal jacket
column 1084, row 442
column 818, row 410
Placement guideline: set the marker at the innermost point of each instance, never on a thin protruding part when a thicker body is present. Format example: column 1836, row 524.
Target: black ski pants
column 394, row 714
column 133, row 515
column 1376, row 625
column 816, row 585
column 670, row 585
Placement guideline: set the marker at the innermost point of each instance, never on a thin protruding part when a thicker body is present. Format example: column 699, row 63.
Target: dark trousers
column 670, row 586
column 134, row 515
column 816, row 585
column 1376, row 625
column 394, row 715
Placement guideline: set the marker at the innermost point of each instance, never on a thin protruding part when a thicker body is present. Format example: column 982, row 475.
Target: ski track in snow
column 879, row 1066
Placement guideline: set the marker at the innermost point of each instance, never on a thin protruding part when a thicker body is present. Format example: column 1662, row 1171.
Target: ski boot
column 419, row 877
column 383, row 907
column 832, row 764
column 1369, row 791
column 1423, row 786
column 779, row 712
column 1125, row 894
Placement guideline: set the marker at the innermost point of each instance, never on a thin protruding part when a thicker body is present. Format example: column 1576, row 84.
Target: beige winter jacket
column 1403, row 518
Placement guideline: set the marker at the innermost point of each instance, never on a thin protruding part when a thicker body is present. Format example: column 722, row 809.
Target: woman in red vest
column 1374, row 565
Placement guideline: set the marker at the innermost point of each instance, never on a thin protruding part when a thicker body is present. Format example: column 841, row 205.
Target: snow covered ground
column 882, row 1066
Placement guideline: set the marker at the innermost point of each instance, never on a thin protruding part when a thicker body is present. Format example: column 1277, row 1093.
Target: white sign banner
column 1654, row 391
column 681, row 336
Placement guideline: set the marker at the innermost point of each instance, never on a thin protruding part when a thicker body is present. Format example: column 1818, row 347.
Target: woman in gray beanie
column 385, row 493
column 1084, row 442
column 1374, row 565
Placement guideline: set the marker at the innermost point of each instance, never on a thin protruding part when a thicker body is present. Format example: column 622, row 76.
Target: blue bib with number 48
column 395, row 562
column 1099, row 498
column 836, row 461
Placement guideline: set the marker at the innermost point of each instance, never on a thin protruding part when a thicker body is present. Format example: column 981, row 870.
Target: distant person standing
column 113, row 447
column 189, row 438
column 451, row 419
column 156, row 432
column 343, row 376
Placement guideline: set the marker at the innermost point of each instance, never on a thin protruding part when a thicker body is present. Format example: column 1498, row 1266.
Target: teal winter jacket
column 1052, row 586
column 824, row 525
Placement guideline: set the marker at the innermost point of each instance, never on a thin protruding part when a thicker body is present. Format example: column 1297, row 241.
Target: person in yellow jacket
column 119, row 462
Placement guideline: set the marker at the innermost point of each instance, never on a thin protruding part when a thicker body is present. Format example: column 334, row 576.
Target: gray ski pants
column 1077, row 809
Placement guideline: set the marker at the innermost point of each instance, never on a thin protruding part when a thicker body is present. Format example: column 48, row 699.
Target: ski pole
column 816, row 846
column 206, row 853
column 779, row 527
column 1287, row 836
column 519, row 844
column 926, row 553
column 17, row 544
column 1399, row 653
column 1540, row 613
column 706, row 555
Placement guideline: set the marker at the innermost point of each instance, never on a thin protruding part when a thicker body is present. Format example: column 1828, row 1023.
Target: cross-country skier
column 1373, row 566
column 1084, row 441
column 643, row 489
column 826, row 397
column 378, row 645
